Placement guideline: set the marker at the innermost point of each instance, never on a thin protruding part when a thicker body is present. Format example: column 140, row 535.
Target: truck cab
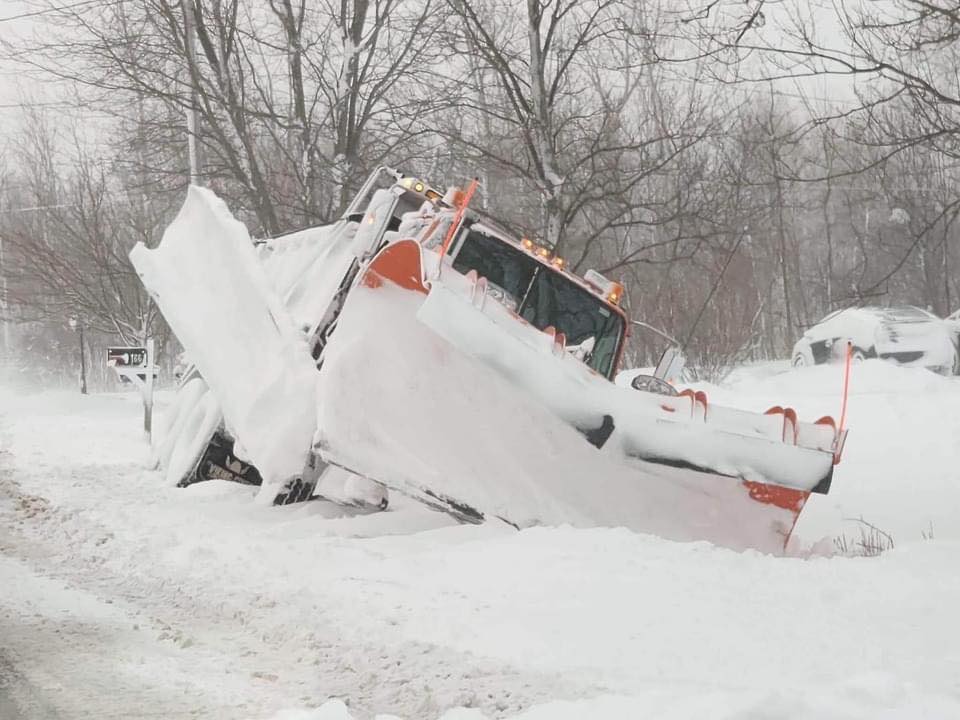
column 527, row 278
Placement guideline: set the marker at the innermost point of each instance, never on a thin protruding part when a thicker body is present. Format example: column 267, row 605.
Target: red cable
column 846, row 386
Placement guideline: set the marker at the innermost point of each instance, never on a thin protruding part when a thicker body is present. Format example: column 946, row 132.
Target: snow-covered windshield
column 544, row 298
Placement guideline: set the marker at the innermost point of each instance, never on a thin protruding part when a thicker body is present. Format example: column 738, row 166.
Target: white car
column 952, row 321
column 904, row 335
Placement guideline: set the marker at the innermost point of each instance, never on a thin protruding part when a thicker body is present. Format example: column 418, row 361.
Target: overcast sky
column 21, row 20
column 21, row 86
column 17, row 87
column 11, row 27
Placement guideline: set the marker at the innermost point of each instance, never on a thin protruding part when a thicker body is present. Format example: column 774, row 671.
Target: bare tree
column 563, row 90
column 284, row 153
column 66, row 259
column 900, row 60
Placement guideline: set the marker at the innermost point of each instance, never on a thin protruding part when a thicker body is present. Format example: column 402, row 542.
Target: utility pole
column 148, row 392
column 77, row 326
column 83, row 364
column 4, row 306
column 190, row 39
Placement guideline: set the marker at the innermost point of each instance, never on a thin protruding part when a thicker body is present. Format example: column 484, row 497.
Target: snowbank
column 862, row 696
column 726, row 441
column 901, row 464
column 305, row 268
column 212, row 290
column 399, row 404
column 250, row 610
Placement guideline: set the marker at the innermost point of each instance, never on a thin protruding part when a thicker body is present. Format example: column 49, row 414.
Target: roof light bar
column 612, row 291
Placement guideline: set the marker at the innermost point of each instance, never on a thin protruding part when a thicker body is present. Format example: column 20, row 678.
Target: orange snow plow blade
column 477, row 445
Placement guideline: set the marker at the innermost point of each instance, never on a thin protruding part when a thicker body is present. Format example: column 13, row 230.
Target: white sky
column 17, row 87
column 11, row 29
column 20, row 85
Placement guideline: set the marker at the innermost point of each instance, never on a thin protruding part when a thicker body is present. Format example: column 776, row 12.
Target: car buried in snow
column 952, row 323
column 904, row 335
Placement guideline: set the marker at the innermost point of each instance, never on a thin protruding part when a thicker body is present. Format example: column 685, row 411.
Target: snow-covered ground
column 121, row 598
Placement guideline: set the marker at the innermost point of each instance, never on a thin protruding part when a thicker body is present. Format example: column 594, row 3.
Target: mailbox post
column 148, row 393
column 77, row 327
column 136, row 365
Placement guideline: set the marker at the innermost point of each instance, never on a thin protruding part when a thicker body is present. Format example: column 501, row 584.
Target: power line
column 25, row 105
column 50, row 10
column 109, row 198
column 35, row 208
column 78, row 111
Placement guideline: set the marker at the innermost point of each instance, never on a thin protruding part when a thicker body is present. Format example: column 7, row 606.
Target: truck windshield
column 545, row 297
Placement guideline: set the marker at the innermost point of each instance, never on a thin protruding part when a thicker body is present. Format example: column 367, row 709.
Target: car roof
column 899, row 313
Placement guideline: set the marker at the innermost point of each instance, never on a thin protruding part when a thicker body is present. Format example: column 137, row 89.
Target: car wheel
column 799, row 360
column 858, row 355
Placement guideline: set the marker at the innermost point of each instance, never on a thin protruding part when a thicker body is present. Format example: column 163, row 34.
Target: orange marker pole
column 458, row 218
column 846, row 387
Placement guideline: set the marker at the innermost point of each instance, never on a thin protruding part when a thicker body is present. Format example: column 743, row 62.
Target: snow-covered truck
column 427, row 349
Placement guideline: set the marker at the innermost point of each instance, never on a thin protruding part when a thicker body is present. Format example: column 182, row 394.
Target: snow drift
column 399, row 404
column 212, row 290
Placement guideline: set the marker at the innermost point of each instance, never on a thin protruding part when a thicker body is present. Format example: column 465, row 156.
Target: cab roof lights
column 542, row 252
column 612, row 291
column 455, row 197
column 419, row 186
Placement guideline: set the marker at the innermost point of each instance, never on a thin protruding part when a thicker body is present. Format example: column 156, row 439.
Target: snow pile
column 649, row 426
column 198, row 601
column 305, row 268
column 901, row 465
column 185, row 429
column 211, row 288
column 400, row 405
column 866, row 696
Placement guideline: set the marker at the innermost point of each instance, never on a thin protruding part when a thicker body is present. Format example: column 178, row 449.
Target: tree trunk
column 83, row 362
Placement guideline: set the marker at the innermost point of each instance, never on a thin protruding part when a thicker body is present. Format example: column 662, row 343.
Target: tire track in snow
column 19, row 699
column 73, row 647
column 273, row 651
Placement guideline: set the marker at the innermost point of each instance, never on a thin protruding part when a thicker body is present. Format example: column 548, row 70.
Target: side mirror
column 671, row 364
column 652, row 384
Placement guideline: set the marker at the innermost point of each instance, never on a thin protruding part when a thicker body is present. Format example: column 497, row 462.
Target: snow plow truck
column 429, row 351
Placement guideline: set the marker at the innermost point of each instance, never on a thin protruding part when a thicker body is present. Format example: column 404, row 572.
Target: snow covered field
column 121, row 598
